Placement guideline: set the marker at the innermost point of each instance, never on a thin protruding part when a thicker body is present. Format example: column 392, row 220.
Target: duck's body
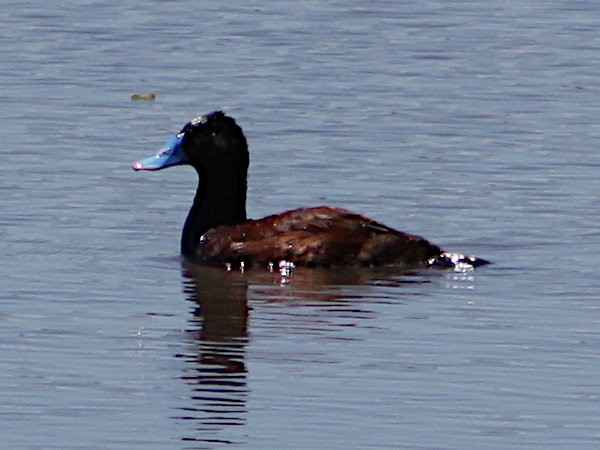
column 321, row 236
column 217, row 230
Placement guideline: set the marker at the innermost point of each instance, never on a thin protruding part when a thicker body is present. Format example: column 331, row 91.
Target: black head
column 214, row 140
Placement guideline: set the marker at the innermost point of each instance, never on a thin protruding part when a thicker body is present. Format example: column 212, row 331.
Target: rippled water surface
column 474, row 124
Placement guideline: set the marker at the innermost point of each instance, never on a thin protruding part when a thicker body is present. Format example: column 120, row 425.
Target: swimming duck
column 218, row 232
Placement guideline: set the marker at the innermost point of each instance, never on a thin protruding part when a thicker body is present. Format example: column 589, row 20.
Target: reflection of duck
column 215, row 368
column 322, row 304
column 217, row 231
column 221, row 302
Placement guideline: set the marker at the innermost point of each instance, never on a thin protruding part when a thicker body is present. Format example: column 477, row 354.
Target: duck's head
column 210, row 143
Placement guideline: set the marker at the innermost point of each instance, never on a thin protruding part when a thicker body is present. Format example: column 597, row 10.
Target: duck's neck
column 220, row 200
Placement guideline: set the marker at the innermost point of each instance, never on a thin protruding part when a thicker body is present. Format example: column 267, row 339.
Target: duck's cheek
column 171, row 155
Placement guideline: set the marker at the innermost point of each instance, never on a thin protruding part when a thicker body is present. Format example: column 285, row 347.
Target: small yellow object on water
column 149, row 96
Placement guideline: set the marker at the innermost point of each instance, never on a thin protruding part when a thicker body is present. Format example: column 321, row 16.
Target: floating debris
column 144, row 97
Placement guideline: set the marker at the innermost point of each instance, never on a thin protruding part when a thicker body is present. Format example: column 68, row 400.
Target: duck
column 217, row 230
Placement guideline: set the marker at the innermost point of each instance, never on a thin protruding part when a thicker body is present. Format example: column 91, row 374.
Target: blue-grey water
column 474, row 124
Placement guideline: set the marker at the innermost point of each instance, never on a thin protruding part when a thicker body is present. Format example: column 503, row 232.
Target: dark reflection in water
column 218, row 328
column 330, row 287
column 216, row 371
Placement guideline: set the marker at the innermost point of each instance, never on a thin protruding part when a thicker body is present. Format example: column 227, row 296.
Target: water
column 472, row 124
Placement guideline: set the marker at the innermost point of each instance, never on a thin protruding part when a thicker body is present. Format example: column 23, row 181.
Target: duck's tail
column 456, row 261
